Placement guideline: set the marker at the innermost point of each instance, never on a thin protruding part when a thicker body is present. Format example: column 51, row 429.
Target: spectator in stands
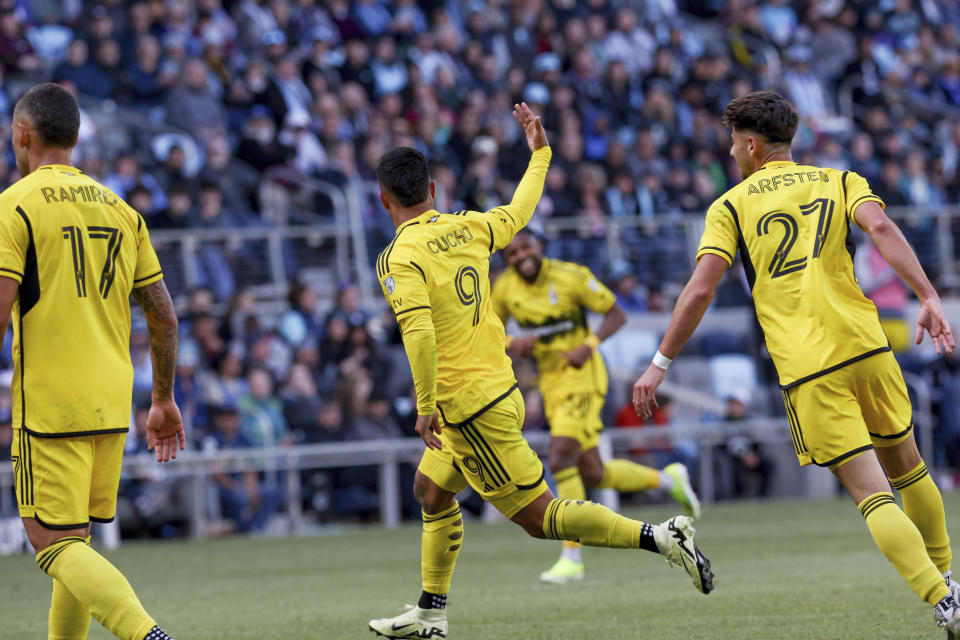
column 301, row 401
column 191, row 106
column 261, row 411
column 630, row 295
column 78, row 69
column 752, row 469
column 225, row 383
column 259, row 146
column 244, row 497
column 16, row 52
column 300, row 323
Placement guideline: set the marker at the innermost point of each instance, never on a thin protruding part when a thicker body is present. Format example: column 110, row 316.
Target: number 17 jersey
column 791, row 226
column 77, row 251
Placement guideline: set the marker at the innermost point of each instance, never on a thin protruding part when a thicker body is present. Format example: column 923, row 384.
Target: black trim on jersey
column 418, row 268
column 59, row 527
column 508, row 214
column 152, row 275
column 13, row 271
column 491, row 237
column 843, row 183
column 853, row 205
column 383, row 262
column 842, row 456
column 840, row 365
column 139, row 222
column 503, row 395
column 102, row 520
column 742, row 246
column 894, row 436
column 723, row 251
column 527, row 487
column 30, row 285
column 400, row 313
column 72, row 434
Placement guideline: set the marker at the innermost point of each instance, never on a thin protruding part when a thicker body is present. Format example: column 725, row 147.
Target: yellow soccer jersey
column 77, row 251
column 554, row 308
column 791, row 225
column 435, row 277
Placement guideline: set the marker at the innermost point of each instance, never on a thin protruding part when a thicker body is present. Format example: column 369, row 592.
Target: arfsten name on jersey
column 86, row 193
column 444, row 242
column 774, row 183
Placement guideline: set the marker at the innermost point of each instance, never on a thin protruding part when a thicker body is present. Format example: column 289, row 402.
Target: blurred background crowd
column 189, row 107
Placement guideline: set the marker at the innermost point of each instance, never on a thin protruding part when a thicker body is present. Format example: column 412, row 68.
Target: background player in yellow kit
column 71, row 254
column 846, row 401
column 549, row 300
column 435, row 277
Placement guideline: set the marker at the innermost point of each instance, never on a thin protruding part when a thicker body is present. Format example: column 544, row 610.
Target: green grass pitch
column 792, row 570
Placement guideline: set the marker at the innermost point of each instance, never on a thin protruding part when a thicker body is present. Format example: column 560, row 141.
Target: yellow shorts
column 489, row 454
column 843, row 413
column 64, row 483
column 576, row 415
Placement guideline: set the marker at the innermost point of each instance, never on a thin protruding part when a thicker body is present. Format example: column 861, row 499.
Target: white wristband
column 662, row 361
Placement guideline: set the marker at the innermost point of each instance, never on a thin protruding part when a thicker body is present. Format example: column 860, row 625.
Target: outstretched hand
column 932, row 320
column 532, row 127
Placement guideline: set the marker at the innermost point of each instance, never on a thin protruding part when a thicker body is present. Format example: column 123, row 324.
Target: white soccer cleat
column 947, row 615
column 414, row 622
column 675, row 540
column 682, row 490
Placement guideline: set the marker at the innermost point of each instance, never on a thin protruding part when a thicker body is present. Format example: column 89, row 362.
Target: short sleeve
column 14, row 239
column 594, row 295
column 719, row 234
column 148, row 265
column 856, row 191
column 405, row 288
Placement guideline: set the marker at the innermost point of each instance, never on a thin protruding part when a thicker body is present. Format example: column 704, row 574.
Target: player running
column 846, row 401
column 550, row 299
column 71, row 254
column 435, row 277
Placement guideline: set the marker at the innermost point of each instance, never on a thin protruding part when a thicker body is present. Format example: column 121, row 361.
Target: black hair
column 403, row 172
column 764, row 112
column 53, row 113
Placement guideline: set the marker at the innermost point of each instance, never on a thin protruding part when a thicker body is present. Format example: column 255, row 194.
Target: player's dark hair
column 403, row 172
column 54, row 114
column 764, row 112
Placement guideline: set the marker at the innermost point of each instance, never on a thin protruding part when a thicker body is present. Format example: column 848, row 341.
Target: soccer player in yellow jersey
column 846, row 401
column 435, row 277
column 71, row 254
column 549, row 300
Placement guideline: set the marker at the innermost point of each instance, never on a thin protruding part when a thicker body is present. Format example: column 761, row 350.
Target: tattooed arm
column 164, row 424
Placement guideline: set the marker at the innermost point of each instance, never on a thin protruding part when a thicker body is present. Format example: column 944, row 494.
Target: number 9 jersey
column 791, row 225
column 77, row 251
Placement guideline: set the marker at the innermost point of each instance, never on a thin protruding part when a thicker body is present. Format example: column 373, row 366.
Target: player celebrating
column 846, row 401
column 549, row 299
column 71, row 253
column 435, row 277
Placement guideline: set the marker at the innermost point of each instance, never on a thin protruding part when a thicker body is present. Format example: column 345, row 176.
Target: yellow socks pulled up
column 924, row 506
column 97, row 586
column 439, row 547
column 624, row 475
column 594, row 525
column 570, row 487
column 69, row 619
column 902, row 544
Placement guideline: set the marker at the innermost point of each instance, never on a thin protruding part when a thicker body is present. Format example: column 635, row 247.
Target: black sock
column 646, row 539
column 432, row 600
column 157, row 634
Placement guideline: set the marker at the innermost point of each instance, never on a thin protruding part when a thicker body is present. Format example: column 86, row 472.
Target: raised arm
column 505, row 221
column 897, row 252
column 164, row 424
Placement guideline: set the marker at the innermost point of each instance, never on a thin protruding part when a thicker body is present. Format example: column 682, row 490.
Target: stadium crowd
column 631, row 92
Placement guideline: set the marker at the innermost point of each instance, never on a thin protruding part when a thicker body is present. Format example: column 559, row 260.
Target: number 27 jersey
column 77, row 251
column 791, row 226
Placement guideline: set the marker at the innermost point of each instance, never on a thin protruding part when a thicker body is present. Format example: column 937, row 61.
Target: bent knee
column 592, row 477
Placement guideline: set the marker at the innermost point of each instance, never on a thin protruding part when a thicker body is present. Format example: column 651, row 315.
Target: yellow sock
column 902, row 544
column 924, row 506
column 624, row 475
column 570, row 487
column 69, row 619
column 594, row 525
column 98, row 586
column 439, row 547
